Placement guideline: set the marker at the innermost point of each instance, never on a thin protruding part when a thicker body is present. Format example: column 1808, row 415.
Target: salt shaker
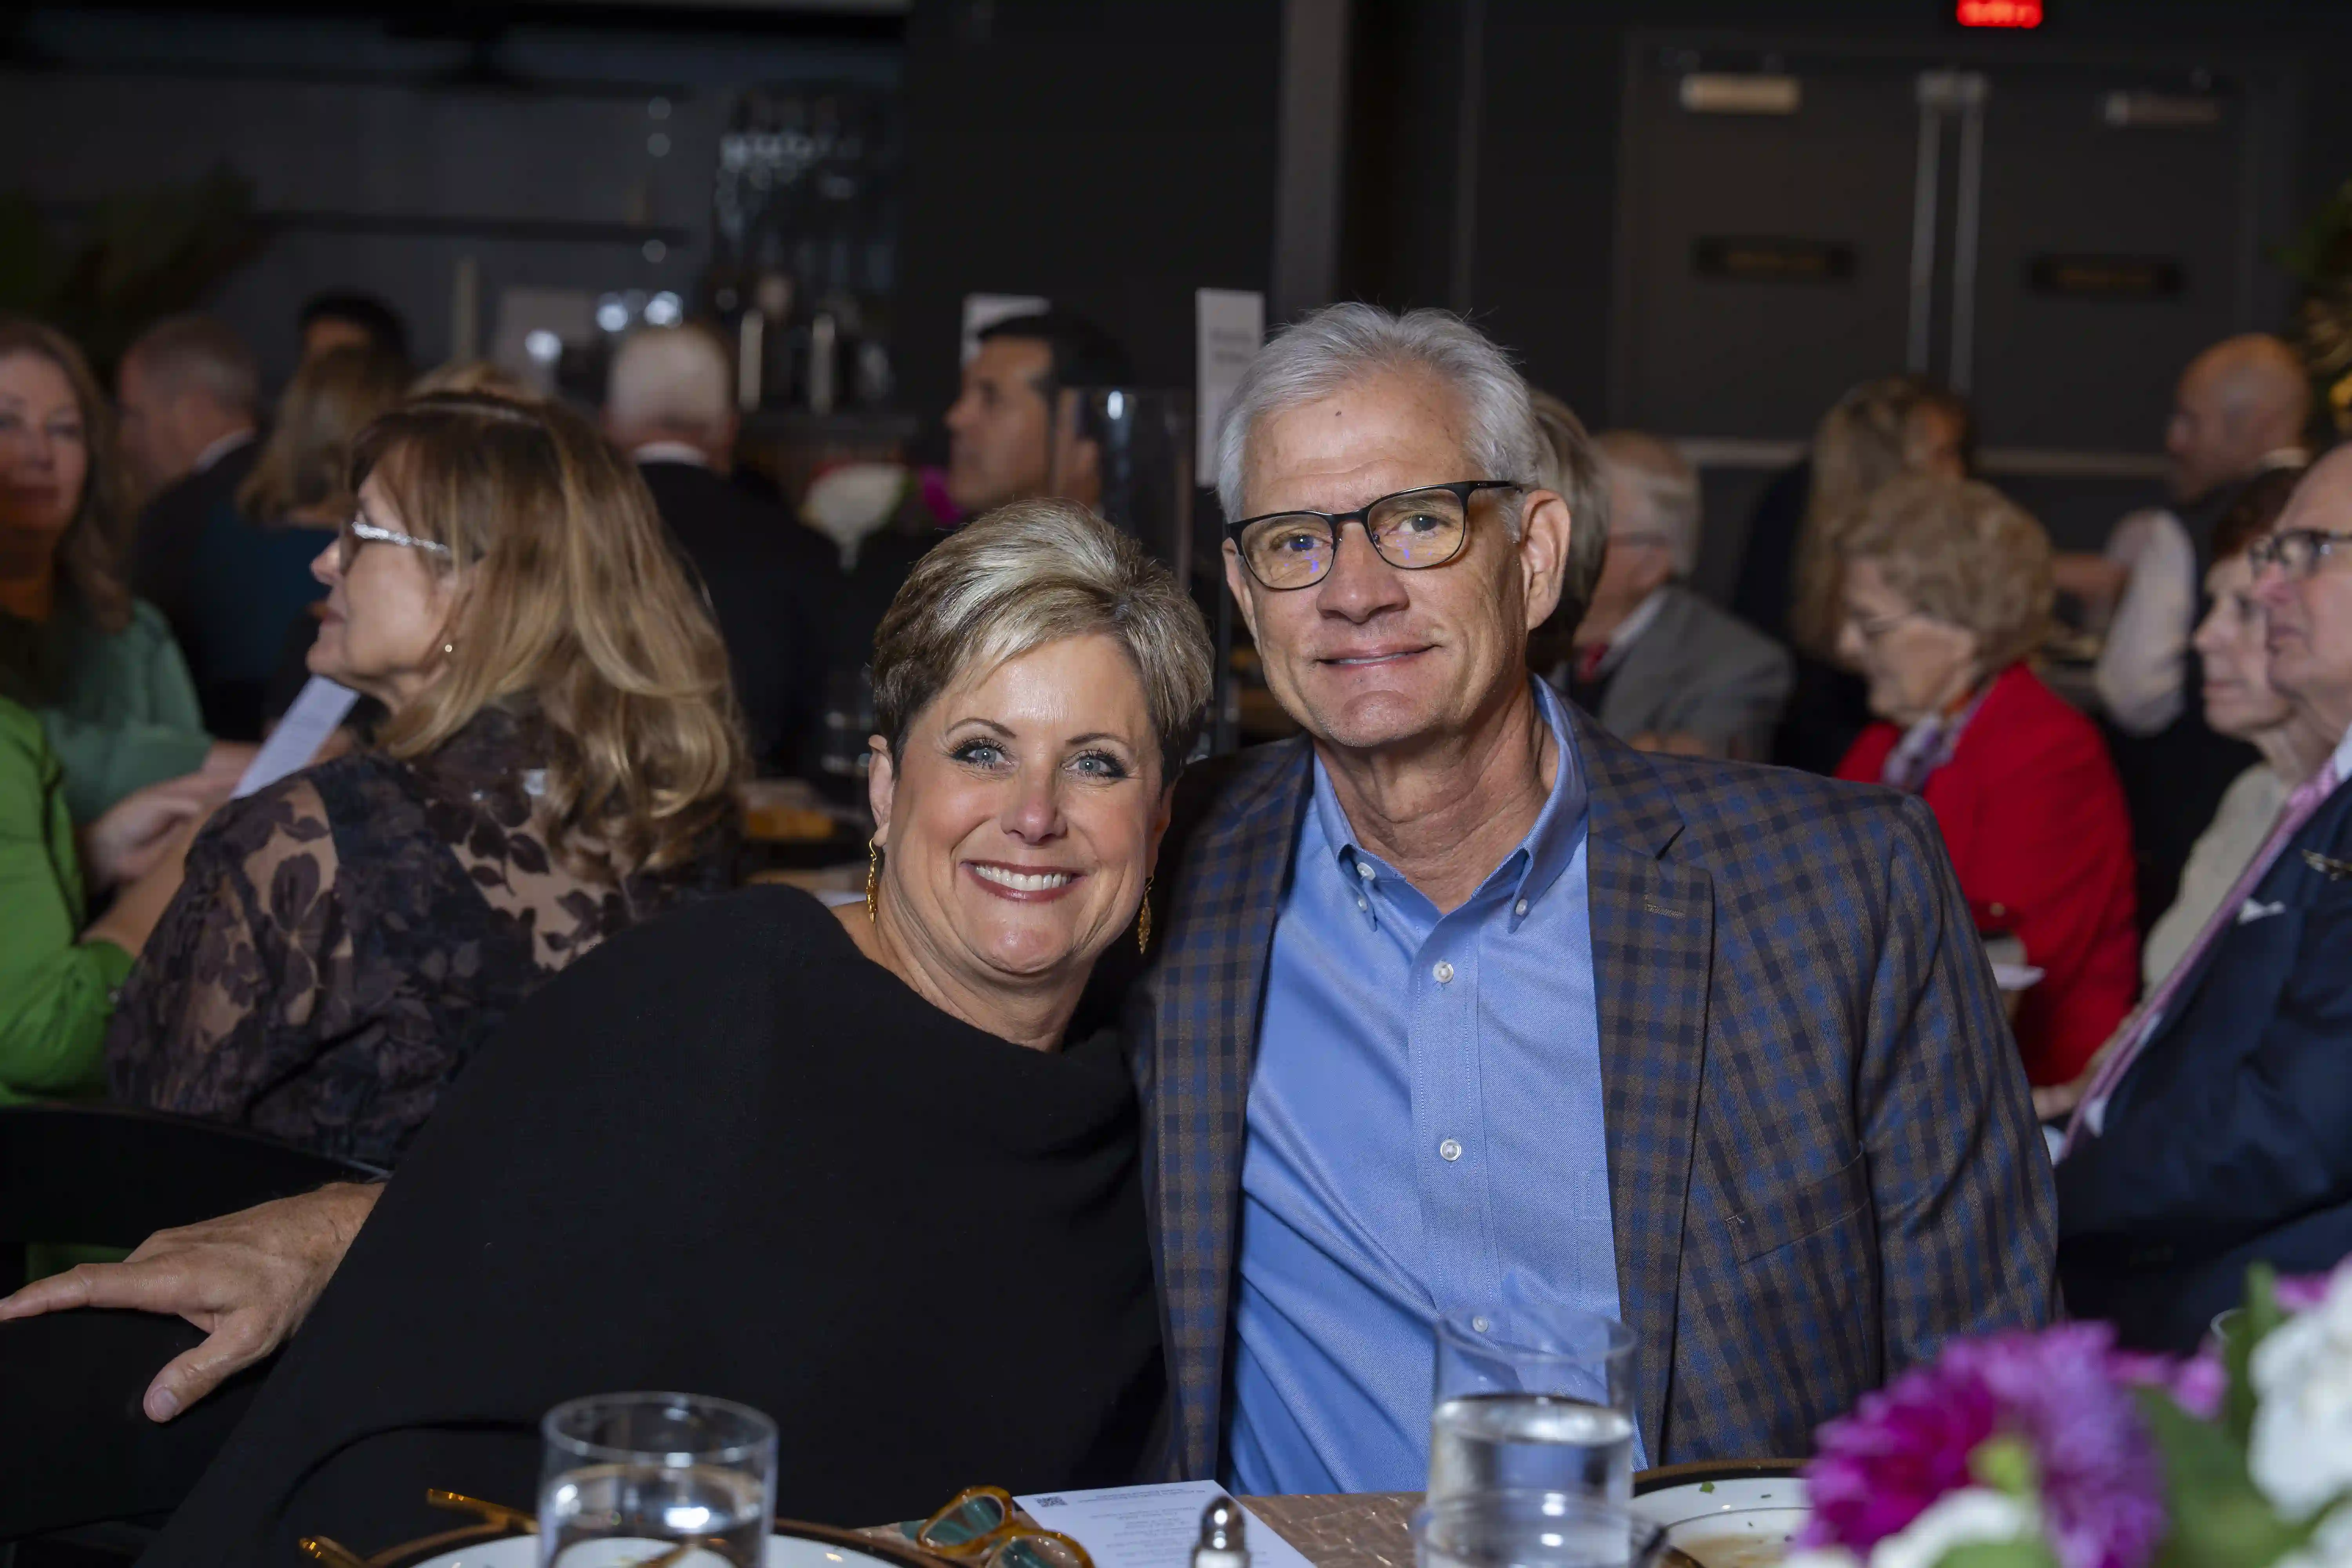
column 1223, row 1541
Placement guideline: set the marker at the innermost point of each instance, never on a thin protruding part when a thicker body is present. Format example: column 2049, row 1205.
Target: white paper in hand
column 313, row 716
column 1149, row 1527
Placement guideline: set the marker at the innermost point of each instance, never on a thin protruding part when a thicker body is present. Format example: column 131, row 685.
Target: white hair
column 673, row 378
column 1339, row 345
column 1667, row 485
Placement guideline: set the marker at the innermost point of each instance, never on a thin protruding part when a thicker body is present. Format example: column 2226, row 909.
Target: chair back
column 105, row 1175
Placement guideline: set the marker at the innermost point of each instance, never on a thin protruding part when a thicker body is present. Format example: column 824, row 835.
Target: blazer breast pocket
column 1802, row 1212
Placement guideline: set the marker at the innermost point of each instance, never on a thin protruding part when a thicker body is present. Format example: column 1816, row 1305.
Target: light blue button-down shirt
column 1426, row 1135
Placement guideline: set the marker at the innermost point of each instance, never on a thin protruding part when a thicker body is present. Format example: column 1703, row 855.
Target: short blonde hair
column 574, row 607
column 1665, row 478
column 1031, row 574
column 1964, row 553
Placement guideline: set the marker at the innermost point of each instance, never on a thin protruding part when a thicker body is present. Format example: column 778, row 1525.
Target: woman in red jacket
column 1946, row 593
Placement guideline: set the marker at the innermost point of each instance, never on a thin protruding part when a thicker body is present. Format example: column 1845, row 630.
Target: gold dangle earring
column 1144, row 920
column 873, row 881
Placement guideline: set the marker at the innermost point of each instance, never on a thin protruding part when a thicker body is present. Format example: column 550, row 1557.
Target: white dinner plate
column 783, row 1551
column 1731, row 1521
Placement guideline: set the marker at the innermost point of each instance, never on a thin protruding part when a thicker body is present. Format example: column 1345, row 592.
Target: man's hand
column 248, row 1279
column 2054, row 1101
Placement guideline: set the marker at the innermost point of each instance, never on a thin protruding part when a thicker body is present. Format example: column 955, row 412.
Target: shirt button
column 1364, row 869
column 1444, row 973
column 1482, row 1323
column 1364, row 904
column 1450, row 1150
column 1520, row 908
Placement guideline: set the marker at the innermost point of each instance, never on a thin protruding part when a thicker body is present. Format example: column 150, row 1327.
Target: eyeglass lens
column 1035, row 1552
column 1412, row 531
column 975, row 1519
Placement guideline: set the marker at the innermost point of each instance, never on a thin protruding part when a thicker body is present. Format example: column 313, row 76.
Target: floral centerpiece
column 2057, row 1450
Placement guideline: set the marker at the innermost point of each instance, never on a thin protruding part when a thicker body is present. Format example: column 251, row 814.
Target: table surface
column 1349, row 1530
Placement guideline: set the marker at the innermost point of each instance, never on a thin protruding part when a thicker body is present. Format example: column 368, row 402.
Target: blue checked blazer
column 1822, row 1155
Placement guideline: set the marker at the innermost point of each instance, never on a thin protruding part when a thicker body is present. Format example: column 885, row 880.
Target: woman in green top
column 99, row 668
column 58, row 980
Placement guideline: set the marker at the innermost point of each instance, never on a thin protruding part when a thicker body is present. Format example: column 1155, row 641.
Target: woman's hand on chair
column 248, row 1279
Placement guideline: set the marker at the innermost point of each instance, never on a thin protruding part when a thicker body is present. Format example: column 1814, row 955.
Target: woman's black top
column 727, row 1155
column 344, row 940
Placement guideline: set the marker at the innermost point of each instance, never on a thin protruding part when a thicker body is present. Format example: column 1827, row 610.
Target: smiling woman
column 1038, row 682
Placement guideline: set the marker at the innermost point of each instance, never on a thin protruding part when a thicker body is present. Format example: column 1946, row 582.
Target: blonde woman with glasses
column 559, row 762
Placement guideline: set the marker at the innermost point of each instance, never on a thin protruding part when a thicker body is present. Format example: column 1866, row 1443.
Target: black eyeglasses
column 1411, row 531
column 2298, row 551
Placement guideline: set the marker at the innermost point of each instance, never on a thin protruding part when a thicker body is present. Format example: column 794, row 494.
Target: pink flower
column 2057, row 1392
column 2196, row 1384
column 2301, row 1292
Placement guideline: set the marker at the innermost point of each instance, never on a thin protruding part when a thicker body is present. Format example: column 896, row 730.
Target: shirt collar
column 221, row 448
column 1528, row 872
column 1621, row 641
column 671, row 452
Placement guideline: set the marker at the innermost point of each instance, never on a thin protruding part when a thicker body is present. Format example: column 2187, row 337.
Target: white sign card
column 317, row 709
column 1151, row 1527
column 982, row 312
column 1231, row 324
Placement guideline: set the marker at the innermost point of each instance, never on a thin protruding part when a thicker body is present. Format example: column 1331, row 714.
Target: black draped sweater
column 725, row 1153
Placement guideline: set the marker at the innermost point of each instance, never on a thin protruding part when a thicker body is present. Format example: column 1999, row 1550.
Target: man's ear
column 1546, row 530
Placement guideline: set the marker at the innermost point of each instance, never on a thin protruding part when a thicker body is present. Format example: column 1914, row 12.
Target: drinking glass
column 1523, row 1529
column 626, row 1476
column 1536, row 1397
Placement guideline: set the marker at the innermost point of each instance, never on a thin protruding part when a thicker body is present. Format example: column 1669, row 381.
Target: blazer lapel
column 1211, row 980
column 1652, row 949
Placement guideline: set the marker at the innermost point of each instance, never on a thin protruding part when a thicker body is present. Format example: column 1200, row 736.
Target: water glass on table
column 1531, row 1398
column 1519, row 1529
column 681, row 1480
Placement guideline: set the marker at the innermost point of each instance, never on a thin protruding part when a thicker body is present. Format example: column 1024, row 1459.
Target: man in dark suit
column 2218, row 1131
column 1461, row 1001
column 765, row 576
column 187, row 393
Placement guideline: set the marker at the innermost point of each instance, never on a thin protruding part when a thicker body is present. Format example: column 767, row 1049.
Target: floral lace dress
column 345, row 940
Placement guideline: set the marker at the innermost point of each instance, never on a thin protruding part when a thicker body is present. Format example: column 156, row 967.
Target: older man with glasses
column 2218, row 1133
column 1464, row 1006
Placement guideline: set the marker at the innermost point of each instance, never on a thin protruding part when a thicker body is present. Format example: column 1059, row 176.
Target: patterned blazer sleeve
column 1961, row 1184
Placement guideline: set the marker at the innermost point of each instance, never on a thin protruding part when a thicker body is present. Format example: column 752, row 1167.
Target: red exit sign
column 1998, row 13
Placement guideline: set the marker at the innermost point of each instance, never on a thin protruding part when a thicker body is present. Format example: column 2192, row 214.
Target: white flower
column 2330, row 1545
column 2301, row 1453
column 1956, row 1519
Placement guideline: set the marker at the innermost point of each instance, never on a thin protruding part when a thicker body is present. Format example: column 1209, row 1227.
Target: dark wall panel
column 1112, row 155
